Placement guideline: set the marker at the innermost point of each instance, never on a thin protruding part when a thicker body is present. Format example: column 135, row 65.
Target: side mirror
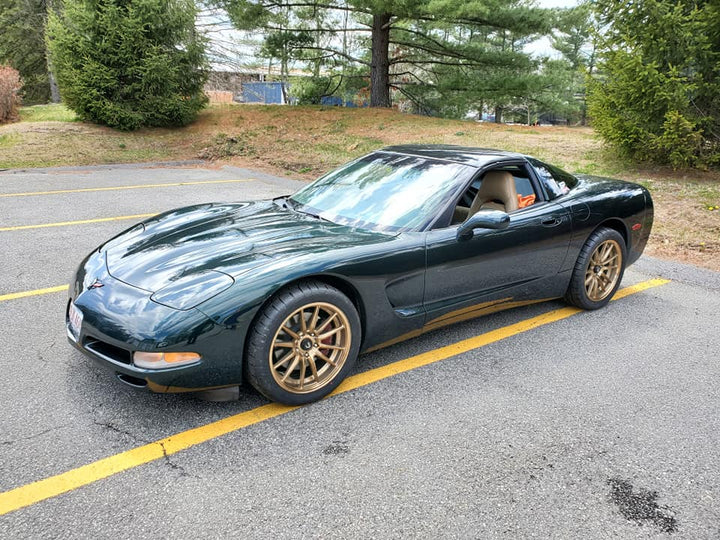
column 482, row 219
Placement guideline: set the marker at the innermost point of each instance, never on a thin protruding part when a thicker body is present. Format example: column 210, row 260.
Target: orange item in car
column 525, row 200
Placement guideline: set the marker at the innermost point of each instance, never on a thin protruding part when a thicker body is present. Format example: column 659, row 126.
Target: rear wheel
column 303, row 344
column 598, row 270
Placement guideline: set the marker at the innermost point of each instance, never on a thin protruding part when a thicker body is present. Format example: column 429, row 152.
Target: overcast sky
column 542, row 47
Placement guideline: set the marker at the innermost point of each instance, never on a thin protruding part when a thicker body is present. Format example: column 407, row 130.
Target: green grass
column 47, row 113
column 709, row 195
column 9, row 139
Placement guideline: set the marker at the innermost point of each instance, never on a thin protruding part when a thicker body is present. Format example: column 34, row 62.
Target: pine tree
column 22, row 45
column 658, row 97
column 129, row 63
column 409, row 42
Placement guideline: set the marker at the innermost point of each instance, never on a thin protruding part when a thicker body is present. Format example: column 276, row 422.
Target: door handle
column 551, row 222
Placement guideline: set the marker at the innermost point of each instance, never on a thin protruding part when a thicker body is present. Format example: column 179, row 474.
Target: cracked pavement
column 601, row 425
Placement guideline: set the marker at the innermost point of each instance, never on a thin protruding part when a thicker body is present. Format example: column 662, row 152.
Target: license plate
column 75, row 317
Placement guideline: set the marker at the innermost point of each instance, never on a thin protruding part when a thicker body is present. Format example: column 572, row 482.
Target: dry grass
column 305, row 142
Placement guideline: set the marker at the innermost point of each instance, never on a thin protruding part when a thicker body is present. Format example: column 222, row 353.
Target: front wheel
column 598, row 270
column 303, row 344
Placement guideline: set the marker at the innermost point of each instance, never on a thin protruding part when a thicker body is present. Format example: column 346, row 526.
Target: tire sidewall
column 272, row 316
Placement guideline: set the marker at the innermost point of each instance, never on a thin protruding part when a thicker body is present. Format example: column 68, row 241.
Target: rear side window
column 523, row 186
column 556, row 181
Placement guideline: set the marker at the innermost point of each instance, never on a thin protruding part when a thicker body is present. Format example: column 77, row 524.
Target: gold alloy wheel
column 603, row 270
column 310, row 348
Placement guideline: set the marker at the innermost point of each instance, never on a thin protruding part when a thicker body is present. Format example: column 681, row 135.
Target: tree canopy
column 419, row 48
column 658, row 93
column 129, row 63
column 22, row 30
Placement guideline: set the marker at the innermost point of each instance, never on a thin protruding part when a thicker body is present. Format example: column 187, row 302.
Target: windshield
column 384, row 191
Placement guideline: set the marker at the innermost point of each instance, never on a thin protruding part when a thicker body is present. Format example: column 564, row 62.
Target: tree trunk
column 380, row 69
column 498, row 114
column 54, row 90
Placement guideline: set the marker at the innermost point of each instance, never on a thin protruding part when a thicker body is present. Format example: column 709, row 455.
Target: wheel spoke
column 331, row 332
column 325, row 358
column 332, row 347
column 608, row 252
column 303, row 367
column 324, row 325
column 314, row 319
column 285, row 344
column 313, row 368
column 593, row 287
column 303, row 325
column 291, row 368
column 290, row 332
column 284, row 360
column 602, row 252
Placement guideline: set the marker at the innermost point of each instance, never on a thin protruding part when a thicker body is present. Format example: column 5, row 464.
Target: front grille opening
column 132, row 381
column 110, row 352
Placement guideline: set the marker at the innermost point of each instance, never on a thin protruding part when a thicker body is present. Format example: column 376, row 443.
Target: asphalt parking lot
column 590, row 425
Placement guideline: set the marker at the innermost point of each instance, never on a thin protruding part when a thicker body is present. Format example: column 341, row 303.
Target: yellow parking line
column 115, row 188
column 78, row 222
column 36, row 292
column 35, row 492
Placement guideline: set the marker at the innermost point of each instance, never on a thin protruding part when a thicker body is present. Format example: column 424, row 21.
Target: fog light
column 151, row 360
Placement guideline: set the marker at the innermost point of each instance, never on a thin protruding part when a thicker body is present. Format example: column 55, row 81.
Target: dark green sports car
column 287, row 292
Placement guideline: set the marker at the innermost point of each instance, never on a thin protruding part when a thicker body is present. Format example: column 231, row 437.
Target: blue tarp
column 335, row 101
column 263, row 92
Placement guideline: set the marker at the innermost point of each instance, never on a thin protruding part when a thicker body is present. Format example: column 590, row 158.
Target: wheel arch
column 618, row 225
column 340, row 283
column 348, row 289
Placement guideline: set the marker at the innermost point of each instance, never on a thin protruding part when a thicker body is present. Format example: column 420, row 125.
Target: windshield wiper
column 316, row 216
column 283, row 201
column 289, row 204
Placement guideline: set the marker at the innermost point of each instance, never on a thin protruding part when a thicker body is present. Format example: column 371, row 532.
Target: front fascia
column 124, row 317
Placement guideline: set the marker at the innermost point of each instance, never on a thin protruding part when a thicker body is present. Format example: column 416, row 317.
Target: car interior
column 507, row 189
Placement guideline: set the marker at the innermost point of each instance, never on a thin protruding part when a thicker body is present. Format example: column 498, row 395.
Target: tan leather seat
column 497, row 192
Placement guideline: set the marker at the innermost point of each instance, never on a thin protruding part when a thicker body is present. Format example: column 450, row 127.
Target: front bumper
column 118, row 319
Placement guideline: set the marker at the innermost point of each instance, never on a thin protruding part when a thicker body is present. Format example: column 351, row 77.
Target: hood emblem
column 96, row 284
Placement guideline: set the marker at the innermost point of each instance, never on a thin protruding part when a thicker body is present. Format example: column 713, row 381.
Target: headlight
column 151, row 360
column 188, row 292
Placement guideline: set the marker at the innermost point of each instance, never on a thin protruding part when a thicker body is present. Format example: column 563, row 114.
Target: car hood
column 228, row 238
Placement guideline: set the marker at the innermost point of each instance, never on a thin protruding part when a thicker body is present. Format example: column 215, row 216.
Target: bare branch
column 288, row 4
column 333, row 51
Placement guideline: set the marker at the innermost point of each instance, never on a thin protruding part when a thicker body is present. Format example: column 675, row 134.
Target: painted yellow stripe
column 116, row 188
column 414, row 362
column 87, row 474
column 78, row 222
column 36, row 292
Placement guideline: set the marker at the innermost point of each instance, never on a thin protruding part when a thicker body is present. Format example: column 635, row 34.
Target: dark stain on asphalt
column 640, row 505
column 337, row 448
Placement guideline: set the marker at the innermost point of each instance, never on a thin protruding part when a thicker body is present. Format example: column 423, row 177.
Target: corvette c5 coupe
column 287, row 292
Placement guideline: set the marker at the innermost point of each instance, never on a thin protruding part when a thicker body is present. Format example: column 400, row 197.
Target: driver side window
column 507, row 188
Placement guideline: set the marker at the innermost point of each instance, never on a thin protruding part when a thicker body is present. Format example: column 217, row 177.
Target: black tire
column 606, row 280
column 268, row 342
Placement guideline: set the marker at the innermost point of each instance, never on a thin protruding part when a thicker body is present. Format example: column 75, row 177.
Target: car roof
column 467, row 155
